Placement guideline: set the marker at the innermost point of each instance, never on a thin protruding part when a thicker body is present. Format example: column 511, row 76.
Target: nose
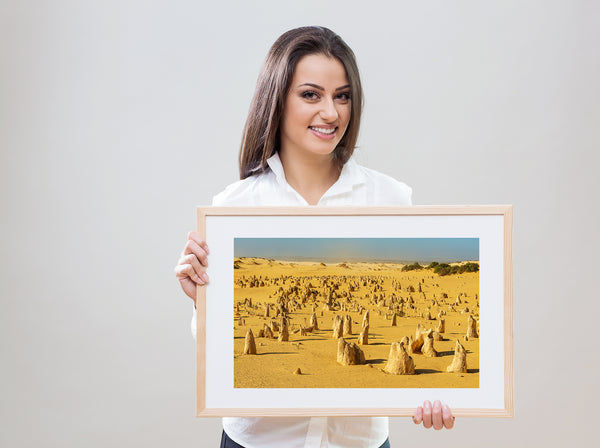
column 328, row 110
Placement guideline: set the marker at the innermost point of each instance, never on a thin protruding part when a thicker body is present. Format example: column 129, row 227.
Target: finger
column 183, row 271
column 427, row 419
column 448, row 417
column 192, row 247
column 199, row 270
column 189, row 287
column 195, row 236
column 418, row 417
column 437, row 415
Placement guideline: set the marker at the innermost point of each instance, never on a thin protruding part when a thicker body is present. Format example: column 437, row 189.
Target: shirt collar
column 350, row 176
column 274, row 163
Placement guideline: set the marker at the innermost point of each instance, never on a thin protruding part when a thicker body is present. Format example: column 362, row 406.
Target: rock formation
column 313, row 322
column 268, row 332
column 459, row 362
column 417, row 343
column 338, row 327
column 284, row 334
column 365, row 321
column 249, row 345
column 363, row 338
column 399, row 363
column 349, row 354
column 472, row 328
column 274, row 325
column 441, row 327
column 347, row 325
column 427, row 348
column 393, row 324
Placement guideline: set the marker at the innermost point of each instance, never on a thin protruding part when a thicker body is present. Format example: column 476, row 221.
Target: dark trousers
column 226, row 442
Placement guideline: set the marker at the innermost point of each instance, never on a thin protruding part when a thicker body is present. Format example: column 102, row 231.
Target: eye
column 310, row 95
column 344, row 97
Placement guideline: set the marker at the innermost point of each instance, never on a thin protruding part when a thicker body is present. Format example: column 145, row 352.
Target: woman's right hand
column 191, row 267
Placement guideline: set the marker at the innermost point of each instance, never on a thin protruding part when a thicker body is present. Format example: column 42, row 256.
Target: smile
column 324, row 131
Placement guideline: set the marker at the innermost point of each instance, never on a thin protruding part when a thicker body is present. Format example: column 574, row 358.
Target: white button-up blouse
column 356, row 186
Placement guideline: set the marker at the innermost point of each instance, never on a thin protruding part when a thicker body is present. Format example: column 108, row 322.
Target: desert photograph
column 356, row 312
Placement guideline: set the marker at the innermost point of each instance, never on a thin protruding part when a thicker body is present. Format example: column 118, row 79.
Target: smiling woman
column 317, row 108
column 315, row 117
column 296, row 150
column 301, row 49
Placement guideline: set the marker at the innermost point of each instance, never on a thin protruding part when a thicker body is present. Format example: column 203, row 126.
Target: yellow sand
column 315, row 354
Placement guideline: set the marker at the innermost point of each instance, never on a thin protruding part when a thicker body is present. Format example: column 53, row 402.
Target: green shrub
column 411, row 267
column 441, row 266
column 445, row 269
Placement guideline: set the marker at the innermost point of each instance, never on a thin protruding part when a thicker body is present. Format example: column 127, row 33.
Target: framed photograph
column 355, row 311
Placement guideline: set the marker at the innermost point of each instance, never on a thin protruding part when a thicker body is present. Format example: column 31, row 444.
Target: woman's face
column 317, row 107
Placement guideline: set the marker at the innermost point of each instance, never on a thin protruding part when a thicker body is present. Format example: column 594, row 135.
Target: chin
column 323, row 150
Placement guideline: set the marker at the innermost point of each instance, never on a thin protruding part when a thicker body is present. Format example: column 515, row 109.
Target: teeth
column 323, row 130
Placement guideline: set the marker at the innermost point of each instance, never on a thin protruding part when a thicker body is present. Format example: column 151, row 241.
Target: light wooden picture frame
column 264, row 253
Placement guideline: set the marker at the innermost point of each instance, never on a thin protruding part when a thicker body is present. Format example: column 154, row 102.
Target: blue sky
column 360, row 249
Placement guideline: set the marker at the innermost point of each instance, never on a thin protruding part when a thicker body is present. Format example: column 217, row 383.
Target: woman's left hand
column 437, row 416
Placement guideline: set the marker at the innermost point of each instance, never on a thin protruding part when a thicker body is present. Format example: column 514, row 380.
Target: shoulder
column 242, row 192
column 386, row 189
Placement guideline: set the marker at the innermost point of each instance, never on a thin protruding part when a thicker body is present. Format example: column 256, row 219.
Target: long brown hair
column 261, row 133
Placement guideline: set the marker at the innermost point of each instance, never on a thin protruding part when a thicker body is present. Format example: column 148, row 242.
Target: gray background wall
column 117, row 118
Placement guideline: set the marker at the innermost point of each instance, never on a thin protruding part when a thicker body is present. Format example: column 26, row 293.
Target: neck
column 310, row 176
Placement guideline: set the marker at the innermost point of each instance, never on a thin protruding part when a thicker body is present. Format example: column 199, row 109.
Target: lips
column 323, row 132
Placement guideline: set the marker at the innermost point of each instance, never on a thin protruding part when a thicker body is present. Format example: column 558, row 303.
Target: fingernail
column 199, row 280
column 427, row 404
column 204, row 277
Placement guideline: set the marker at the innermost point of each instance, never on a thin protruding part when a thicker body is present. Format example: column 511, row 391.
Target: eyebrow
column 321, row 88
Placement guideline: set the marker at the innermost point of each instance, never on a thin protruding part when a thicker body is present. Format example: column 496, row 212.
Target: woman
column 297, row 145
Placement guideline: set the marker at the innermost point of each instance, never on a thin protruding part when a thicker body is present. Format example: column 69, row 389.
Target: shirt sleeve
column 194, row 323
